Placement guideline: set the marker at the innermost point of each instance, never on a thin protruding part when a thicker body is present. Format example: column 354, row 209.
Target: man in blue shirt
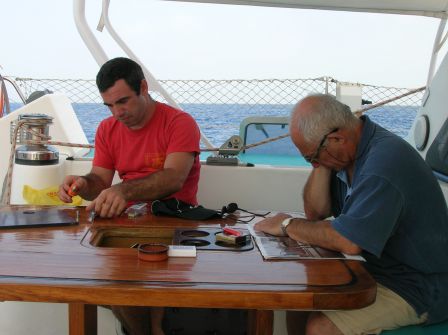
column 387, row 206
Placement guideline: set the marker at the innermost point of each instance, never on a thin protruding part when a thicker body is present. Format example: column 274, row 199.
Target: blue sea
column 220, row 121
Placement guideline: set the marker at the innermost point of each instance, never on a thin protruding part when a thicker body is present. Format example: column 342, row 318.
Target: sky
column 178, row 40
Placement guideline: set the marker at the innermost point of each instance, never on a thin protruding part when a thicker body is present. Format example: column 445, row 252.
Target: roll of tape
column 153, row 252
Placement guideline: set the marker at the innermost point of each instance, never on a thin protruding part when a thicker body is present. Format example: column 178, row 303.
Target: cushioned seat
column 437, row 329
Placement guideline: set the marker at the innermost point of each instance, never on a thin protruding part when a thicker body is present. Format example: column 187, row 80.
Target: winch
column 227, row 153
column 35, row 154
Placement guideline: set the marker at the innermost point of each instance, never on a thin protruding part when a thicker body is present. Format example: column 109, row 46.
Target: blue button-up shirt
column 395, row 211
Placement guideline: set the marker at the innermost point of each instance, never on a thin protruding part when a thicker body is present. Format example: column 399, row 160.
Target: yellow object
column 46, row 196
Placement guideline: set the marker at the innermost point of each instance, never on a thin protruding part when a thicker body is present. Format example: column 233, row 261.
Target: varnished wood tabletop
column 60, row 264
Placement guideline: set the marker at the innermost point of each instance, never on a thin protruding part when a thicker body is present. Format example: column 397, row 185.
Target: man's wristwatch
column 285, row 223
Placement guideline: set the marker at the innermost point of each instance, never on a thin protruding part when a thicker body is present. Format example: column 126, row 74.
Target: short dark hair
column 120, row 68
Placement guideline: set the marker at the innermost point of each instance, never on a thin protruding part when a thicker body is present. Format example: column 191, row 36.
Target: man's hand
column 272, row 225
column 70, row 187
column 110, row 202
column 316, row 194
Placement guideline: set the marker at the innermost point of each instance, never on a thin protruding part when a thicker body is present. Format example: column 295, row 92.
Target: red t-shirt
column 138, row 153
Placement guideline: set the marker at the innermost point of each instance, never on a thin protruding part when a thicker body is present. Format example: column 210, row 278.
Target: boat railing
column 214, row 91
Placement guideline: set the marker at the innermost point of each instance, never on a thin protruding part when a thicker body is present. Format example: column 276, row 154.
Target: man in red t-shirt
column 153, row 147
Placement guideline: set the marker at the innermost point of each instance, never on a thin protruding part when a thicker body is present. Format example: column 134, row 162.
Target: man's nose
column 315, row 164
column 118, row 111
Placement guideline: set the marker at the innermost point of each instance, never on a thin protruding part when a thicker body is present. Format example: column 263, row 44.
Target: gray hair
column 326, row 114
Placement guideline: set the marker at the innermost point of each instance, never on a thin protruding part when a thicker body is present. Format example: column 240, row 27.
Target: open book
column 281, row 247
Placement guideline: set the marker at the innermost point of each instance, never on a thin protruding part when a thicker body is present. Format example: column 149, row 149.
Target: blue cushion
column 437, row 329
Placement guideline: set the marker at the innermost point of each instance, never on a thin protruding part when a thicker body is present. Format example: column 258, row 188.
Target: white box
column 181, row 251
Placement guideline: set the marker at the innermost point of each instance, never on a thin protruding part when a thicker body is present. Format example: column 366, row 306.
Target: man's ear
column 337, row 137
column 144, row 87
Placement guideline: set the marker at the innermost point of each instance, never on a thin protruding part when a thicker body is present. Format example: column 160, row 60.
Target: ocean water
column 220, row 121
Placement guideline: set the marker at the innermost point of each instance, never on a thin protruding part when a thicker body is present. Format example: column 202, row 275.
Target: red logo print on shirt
column 155, row 160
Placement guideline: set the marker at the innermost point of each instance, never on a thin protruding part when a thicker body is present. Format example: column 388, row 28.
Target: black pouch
column 181, row 209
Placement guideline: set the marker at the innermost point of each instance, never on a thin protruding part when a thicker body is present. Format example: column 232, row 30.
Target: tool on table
column 92, row 216
column 230, row 231
column 232, row 236
column 72, row 191
column 137, row 210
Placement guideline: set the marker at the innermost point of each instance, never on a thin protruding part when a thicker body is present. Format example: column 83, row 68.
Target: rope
column 265, row 141
column 64, row 144
column 272, row 139
column 381, row 103
column 6, row 197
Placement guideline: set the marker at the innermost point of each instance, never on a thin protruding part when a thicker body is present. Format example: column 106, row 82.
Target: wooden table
column 60, row 264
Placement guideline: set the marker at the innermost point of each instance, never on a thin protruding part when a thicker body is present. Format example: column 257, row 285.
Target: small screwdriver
column 72, row 190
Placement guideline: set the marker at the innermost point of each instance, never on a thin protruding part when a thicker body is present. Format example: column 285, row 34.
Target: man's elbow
column 176, row 187
column 176, row 184
column 351, row 249
column 314, row 215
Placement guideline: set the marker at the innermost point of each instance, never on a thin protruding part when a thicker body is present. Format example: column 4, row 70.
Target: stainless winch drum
column 34, row 154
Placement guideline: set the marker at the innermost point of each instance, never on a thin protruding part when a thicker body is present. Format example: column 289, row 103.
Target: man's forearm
column 322, row 234
column 158, row 185
column 316, row 194
column 94, row 186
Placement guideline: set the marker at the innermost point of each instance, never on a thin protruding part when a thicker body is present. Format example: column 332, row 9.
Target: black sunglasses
column 314, row 157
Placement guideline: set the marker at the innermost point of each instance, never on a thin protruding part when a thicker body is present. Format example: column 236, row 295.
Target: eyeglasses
column 313, row 158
